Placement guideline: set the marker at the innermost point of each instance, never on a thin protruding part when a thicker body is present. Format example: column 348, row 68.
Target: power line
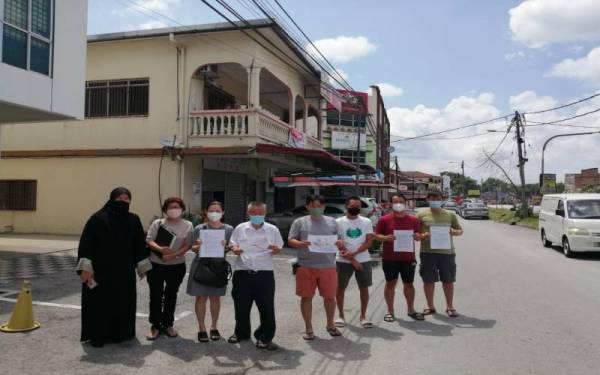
column 537, row 123
column 570, row 118
column 563, row 106
column 453, row 129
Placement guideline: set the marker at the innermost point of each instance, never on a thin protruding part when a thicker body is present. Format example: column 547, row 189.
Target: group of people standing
column 113, row 247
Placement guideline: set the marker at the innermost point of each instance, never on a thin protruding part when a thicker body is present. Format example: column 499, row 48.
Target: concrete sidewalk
column 12, row 245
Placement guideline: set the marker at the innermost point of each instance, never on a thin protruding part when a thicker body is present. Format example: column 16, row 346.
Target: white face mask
column 174, row 213
column 214, row 216
column 398, row 207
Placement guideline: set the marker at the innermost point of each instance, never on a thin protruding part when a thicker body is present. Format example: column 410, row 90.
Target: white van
column 571, row 220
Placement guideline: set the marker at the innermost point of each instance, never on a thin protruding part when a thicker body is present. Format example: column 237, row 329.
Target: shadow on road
column 426, row 327
column 243, row 356
column 343, row 350
column 464, row 321
column 375, row 332
column 581, row 256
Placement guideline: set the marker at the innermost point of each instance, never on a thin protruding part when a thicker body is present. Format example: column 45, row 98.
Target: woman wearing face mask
column 203, row 293
column 111, row 248
column 168, row 266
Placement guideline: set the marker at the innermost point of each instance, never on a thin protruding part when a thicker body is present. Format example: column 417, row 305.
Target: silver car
column 470, row 210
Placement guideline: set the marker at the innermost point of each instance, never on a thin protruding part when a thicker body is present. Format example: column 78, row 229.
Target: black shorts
column 393, row 268
column 438, row 267
column 364, row 278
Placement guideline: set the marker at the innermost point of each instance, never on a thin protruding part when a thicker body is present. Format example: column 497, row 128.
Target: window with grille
column 350, row 156
column 126, row 97
column 18, row 195
column 26, row 34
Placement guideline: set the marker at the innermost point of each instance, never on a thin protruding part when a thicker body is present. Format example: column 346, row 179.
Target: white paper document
column 322, row 244
column 255, row 246
column 440, row 237
column 403, row 241
column 212, row 243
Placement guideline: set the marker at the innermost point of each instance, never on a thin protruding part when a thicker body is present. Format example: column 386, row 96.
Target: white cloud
column 433, row 155
column 517, row 56
column 152, row 25
column 343, row 48
column 530, row 101
column 388, row 90
column 585, row 69
column 341, row 73
column 161, row 6
column 537, row 23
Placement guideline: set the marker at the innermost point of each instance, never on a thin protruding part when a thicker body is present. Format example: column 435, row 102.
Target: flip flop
column 389, row 317
column 429, row 311
column 366, row 324
column 334, row 332
column 202, row 336
column 308, row 336
column 340, row 323
column 416, row 316
column 452, row 313
column 215, row 335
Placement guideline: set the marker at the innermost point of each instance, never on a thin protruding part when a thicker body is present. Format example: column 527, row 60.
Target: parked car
column 368, row 205
column 572, row 221
column 450, row 206
column 284, row 220
column 470, row 210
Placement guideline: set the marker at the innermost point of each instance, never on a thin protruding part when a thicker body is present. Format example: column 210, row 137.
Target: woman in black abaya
column 111, row 248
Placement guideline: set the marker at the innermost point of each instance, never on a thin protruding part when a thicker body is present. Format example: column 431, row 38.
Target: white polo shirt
column 256, row 255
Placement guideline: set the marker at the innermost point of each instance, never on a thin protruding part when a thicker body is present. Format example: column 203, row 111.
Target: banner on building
column 352, row 102
column 474, row 193
column 297, row 138
column 332, row 96
column 347, row 141
column 548, row 183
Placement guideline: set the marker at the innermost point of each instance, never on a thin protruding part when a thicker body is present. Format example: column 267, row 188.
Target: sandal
column 215, row 335
column 340, row 323
column 308, row 336
column 429, row 311
column 153, row 334
column 389, row 317
column 366, row 324
column 416, row 316
column 334, row 332
column 202, row 336
column 452, row 313
column 233, row 339
column 266, row 345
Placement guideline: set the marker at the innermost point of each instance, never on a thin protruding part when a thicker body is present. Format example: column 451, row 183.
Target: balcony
column 245, row 127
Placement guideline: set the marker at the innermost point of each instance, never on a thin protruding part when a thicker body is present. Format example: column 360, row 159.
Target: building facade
column 587, row 178
column 42, row 59
column 414, row 184
column 202, row 112
column 570, row 182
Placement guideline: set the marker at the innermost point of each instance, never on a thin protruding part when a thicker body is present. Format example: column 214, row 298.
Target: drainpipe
column 181, row 123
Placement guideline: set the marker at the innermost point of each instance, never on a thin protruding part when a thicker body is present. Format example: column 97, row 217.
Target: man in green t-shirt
column 438, row 254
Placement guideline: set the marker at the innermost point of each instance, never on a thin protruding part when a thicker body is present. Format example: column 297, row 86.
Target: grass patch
column 504, row 215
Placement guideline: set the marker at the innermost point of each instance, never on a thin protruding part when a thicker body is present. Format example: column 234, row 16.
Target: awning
column 323, row 160
column 313, row 182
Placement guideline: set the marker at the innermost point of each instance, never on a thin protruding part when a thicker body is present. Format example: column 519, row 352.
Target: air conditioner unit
column 208, row 71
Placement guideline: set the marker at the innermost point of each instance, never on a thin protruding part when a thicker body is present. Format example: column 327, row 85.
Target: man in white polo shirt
column 255, row 242
column 356, row 237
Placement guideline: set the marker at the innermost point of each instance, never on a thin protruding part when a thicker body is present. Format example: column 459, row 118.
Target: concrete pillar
column 304, row 117
column 254, row 87
column 196, row 94
column 292, row 119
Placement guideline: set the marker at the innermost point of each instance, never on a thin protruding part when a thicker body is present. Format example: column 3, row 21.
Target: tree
column 460, row 185
column 495, row 184
column 590, row 189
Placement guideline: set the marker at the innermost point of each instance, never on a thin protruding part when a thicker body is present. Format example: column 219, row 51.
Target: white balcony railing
column 231, row 127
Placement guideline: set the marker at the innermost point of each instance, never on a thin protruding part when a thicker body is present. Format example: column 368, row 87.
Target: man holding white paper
column 438, row 263
column 255, row 242
column 314, row 237
column 398, row 231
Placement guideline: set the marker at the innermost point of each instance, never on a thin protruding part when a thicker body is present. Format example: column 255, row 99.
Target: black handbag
column 213, row 272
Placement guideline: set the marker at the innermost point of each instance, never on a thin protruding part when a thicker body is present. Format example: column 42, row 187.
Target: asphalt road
column 525, row 310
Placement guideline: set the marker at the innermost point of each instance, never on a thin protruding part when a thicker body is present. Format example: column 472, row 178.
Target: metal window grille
column 117, row 98
column 18, row 195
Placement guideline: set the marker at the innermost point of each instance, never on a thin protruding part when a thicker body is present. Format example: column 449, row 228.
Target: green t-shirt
column 427, row 219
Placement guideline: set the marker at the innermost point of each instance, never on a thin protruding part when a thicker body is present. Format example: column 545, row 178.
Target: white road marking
column 65, row 306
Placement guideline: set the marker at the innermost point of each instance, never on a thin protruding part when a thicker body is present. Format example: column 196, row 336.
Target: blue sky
column 444, row 63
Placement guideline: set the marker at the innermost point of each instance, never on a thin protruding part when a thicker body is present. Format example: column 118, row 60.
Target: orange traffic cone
column 21, row 319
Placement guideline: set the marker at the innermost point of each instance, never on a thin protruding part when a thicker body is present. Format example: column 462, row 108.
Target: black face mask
column 119, row 207
column 353, row 211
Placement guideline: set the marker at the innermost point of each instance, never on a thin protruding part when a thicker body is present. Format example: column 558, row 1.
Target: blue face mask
column 257, row 219
column 436, row 204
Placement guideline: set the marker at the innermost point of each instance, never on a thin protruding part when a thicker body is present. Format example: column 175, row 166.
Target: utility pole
column 464, row 181
column 397, row 175
column 522, row 161
column 356, row 186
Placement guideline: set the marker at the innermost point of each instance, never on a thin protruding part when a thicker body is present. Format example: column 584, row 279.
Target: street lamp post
column 557, row 136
